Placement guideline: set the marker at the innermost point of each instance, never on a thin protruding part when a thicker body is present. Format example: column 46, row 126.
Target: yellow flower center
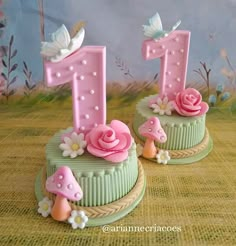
column 75, row 146
column 163, row 157
column 163, row 106
column 78, row 220
column 45, row 207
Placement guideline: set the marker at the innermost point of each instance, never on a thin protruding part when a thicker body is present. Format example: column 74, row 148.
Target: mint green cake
column 188, row 139
column 110, row 190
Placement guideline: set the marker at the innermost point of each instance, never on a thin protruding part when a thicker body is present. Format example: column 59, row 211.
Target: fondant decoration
column 63, row 184
column 139, row 150
column 162, row 107
column 189, row 103
column 153, row 131
column 73, row 145
column 62, row 44
column 78, row 219
column 173, row 53
column 163, row 157
column 45, row 207
column 86, row 68
column 110, row 142
column 155, row 30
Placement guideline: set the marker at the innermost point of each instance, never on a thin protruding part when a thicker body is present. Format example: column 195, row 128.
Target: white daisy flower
column 45, row 207
column 162, row 107
column 139, row 150
column 73, row 145
column 163, row 157
column 78, row 219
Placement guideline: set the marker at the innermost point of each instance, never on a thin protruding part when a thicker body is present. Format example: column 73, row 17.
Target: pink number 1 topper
column 86, row 68
column 172, row 47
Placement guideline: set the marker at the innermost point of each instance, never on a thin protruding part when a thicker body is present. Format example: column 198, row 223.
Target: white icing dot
column 94, row 74
column 170, row 85
column 182, row 51
column 177, row 63
column 153, row 51
column 59, row 185
column 159, row 131
column 178, row 79
column 162, row 137
column 92, row 92
column 149, row 129
column 163, row 47
column 95, row 124
column 71, row 68
column 176, row 39
column 77, row 194
column 60, row 177
column 84, row 62
column 70, row 186
column 172, row 52
column 86, row 116
column 82, row 128
column 168, row 72
column 151, row 122
column 81, row 77
column 96, row 108
column 82, row 98
column 58, row 75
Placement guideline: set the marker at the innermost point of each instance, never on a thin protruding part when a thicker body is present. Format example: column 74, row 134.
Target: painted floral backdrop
column 118, row 26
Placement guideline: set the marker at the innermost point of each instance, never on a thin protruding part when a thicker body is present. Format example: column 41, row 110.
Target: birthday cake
column 171, row 123
column 92, row 174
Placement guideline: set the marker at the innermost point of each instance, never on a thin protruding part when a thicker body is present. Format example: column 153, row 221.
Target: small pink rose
column 110, row 142
column 189, row 103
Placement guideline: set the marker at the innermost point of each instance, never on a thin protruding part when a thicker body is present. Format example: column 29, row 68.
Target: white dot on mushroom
column 176, row 39
column 81, row 77
column 182, row 51
column 92, row 92
column 151, row 122
column 86, row 116
column 153, row 51
column 82, row 128
column 177, row 63
column 95, row 124
column 58, row 75
column 96, row 108
column 77, row 194
column 169, row 72
column 84, row 62
column 71, row 68
column 70, row 186
column 94, row 74
column 178, row 79
column 163, row 47
column 149, row 129
column 59, row 185
column 60, row 177
column 170, row 85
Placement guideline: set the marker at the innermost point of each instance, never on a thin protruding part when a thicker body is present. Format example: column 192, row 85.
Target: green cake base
column 104, row 219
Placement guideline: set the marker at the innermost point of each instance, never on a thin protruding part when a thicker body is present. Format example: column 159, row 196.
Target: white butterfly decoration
column 62, row 44
column 155, row 30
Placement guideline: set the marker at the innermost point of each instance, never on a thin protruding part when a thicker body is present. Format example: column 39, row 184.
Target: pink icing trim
column 110, row 142
column 189, row 103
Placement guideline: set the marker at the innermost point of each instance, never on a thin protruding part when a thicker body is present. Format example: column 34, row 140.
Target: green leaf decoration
column 4, row 63
column 11, row 40
column 4, row 76
column 14, row 67
column 13, row 80
column 25, row 66
column 14, row 54
column 27, row 84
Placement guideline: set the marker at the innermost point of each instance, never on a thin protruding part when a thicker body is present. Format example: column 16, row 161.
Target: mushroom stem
column 61, row 209
column 149, row 149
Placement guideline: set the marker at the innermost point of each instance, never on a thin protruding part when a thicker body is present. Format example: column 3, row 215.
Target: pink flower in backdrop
column 189, row 103
column 110, row 142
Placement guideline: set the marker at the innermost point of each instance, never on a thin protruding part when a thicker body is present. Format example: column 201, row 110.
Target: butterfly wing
column 154, row 27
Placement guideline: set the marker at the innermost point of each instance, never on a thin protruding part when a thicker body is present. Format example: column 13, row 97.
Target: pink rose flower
column 110, row 142
column 189, row 103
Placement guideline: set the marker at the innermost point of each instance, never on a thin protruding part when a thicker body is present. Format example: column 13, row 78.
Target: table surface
column 200, row 198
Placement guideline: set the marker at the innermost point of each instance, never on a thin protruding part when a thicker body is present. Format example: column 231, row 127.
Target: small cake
column 180, row 111
column 92, row 175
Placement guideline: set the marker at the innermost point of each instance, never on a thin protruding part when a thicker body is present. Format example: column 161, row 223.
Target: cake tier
column 182, row 132
column 102, row 182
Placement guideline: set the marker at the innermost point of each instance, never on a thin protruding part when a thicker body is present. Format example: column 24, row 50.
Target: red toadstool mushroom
column 153, row 131
column 64, row 185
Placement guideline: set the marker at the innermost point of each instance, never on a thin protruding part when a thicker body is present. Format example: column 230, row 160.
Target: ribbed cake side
column 102, row 182
column 182, row 132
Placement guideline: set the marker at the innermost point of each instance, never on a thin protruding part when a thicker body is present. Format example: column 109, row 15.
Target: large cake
column 92, row 175
column 178, row 113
